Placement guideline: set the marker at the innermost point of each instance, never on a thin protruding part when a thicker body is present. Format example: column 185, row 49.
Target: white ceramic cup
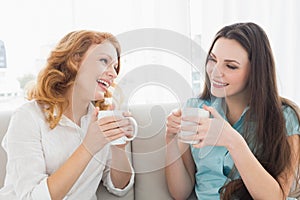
column 190, row 111
column 123, row 139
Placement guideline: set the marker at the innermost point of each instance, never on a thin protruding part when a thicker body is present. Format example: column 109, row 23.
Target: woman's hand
column 173, row 125
column 128, row 130
column 211, row 131
column 104, row 130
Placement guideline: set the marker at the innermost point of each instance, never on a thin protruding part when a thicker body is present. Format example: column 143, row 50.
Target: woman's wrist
column 170, row 137
column 236, row 142
column 84, row 149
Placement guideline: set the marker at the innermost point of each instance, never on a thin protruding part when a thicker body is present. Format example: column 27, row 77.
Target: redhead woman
column 56, row 146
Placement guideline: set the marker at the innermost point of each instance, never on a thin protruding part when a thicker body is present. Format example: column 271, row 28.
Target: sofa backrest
column 148, row 151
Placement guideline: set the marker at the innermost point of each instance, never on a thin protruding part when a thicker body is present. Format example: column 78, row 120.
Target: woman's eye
column 231, row 67
column 104, row 61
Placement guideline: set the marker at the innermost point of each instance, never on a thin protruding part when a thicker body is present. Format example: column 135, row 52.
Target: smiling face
column 97, row 72
column 228, row 68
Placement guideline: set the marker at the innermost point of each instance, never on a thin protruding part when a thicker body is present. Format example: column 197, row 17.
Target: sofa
column 146, row 151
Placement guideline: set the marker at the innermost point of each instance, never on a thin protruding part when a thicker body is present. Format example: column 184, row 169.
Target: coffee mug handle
column 135, row 127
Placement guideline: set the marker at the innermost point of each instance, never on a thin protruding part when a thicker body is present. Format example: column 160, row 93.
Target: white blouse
column 35, row 151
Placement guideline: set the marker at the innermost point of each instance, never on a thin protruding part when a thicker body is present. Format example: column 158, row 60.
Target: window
column 2, row 55
column 278, row 18
column 40, row 24
column 154, row 35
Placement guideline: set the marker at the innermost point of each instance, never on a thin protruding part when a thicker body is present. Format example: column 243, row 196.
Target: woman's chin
column 219, row 94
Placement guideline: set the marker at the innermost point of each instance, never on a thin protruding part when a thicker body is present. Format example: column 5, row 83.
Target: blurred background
column 29, row 29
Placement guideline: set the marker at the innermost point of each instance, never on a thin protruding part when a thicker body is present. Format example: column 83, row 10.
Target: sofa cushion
column 148, row 151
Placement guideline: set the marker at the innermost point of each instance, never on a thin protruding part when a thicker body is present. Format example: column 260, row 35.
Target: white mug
column 123, row 139
column 191, row 111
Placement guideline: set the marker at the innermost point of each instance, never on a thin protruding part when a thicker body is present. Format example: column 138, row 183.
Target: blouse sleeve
column 291, row 121
column 26, row 164
column 107, row 182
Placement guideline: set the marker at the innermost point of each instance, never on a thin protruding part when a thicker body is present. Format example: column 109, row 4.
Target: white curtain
column 29, row 30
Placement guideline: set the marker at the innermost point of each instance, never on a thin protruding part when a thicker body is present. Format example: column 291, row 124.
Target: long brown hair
column 268, row 140
column 61, row 69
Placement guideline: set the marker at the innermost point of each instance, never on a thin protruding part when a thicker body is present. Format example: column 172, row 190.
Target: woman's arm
column 120, row 169
column 62, row 180
column 99, row 133
column 180, row 167
column 179, row 170
column 260, row 184
column 118, row 176
column 27, row 167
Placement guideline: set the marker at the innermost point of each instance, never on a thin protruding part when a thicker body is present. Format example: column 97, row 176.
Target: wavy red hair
column 61, row 69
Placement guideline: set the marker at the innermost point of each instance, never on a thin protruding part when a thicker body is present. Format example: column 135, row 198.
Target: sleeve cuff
column 117, row 191
column 41, row 191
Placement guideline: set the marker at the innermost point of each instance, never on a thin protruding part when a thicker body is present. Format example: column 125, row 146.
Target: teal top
column 214, row 163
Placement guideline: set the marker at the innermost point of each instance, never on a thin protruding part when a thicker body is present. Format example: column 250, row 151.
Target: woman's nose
column 111, row 71
column 217, row 70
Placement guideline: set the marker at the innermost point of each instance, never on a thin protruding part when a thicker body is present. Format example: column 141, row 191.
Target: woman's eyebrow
column 212, row 54
column 229, row 60
column 225, row 60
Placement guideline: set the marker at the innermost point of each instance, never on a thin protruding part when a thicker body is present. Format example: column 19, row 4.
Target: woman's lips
column 218, row 84
column 103, row 84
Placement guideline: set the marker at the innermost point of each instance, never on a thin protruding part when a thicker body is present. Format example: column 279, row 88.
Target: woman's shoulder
column 290, row 111
column 292, row 121
column 290, row 107
column 29, row 107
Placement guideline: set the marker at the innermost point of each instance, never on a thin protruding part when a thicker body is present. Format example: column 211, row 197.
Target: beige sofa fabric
column 148, row 151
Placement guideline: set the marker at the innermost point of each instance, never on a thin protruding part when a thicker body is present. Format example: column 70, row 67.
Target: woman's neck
column 76, row 109
column 234, row 109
